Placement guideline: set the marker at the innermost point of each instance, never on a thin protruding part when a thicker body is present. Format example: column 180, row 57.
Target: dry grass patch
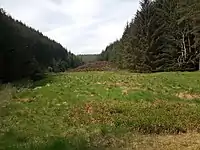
column 6, row 93
column 91, row 113
column 186, row 95
column 189, row 141
column 25, row 100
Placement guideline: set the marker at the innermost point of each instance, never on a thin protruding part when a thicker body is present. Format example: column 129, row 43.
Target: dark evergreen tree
column 163, row 36
column 25, row 52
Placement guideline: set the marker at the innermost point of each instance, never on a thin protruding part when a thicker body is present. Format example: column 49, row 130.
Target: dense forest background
column 87, row 58
column 163, row 36
column 25, row 52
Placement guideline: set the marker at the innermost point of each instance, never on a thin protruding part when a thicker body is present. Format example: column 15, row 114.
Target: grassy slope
column 103, row 110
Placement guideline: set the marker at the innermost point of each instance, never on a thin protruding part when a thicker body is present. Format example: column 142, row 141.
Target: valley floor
column 102, row 110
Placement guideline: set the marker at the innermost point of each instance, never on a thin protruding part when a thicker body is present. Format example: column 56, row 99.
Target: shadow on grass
column 31, row 84
column 46, row 80
column 15, row 141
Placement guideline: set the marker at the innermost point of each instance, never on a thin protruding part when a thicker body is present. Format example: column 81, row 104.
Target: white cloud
column 83, row 26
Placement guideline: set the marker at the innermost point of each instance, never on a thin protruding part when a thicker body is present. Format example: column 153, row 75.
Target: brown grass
column 189, row 141
column 95, row 66
column 186, row 95
column 24, row 100
column 129, row 141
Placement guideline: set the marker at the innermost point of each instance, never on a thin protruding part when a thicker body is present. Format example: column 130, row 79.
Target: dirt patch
column 125, row 91
column 96, row 66
column 88, row 108
column 24, row 100
column 186, row 95
column 91, row 112
column 158, row 102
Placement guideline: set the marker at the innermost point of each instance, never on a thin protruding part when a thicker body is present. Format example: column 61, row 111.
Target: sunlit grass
column 96, row 110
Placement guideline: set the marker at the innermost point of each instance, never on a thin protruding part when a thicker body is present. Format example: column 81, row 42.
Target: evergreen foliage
column 163, row 36
column 26, row 52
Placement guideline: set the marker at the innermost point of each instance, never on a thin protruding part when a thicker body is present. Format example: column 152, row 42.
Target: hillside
column 102, row 110
column 164, row 35
column 25, row 52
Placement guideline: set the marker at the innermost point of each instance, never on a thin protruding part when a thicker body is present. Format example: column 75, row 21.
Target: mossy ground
column 102, row 110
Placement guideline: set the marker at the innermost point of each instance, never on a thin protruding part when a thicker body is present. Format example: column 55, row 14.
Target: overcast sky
column 83, row 26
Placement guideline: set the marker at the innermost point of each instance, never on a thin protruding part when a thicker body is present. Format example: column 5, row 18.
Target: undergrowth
column 98, row 110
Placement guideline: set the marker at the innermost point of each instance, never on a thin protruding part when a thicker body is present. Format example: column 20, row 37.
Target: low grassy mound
column 96, row 66
column 102, row 110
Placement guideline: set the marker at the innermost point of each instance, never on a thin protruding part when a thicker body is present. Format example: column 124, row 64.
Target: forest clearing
column 100, row 75
column 102, row 110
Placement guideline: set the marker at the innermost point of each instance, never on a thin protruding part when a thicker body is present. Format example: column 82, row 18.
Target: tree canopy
column 25, row 51
column 163, row 36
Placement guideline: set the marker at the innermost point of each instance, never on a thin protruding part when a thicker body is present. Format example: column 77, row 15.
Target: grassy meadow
column 102, row 111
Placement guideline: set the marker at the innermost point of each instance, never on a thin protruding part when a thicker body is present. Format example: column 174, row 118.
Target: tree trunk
column 199, row 63
column 184, row 48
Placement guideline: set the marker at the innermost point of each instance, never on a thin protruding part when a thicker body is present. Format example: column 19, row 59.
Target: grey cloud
column 62, row 20
column 50, row 20
column 56, row 1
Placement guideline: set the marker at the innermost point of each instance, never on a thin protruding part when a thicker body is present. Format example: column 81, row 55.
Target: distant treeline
column 86, row 58
column 25, row 52
column 163, row 36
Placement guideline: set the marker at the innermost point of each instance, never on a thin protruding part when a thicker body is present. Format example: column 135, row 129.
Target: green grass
column 99, row 110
